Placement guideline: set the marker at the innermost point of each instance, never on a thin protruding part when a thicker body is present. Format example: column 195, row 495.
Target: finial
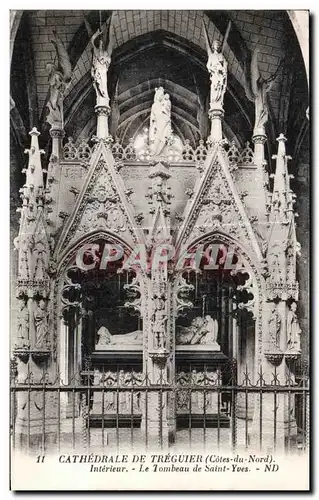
column 281, row 145
column 34, row 131
column 281, row 138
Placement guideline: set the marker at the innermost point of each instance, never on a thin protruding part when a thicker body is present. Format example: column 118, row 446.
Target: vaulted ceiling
column 155, row 48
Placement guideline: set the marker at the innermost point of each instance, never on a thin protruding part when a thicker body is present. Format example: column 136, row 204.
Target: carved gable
column 101, row 205
column 216, row 206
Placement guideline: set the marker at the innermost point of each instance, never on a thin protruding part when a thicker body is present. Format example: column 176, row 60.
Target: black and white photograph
column 159, row 250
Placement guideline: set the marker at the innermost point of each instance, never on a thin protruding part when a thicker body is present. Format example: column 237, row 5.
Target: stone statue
column 25, row 244
column 60, row 74
column 274, row 327
column 275, row 265
column 106, row 339
column 256, row 89
column 40, row 260
column 159, row 320
column 160, row 131
column 186, row 334
column 217, row 68
column 100, row 64
column 23, row 323
column 97, row 377
column 52, row 267
column 159, row 329
column 135, row 337
column 41, row 325
column 290, row 264
column 293, row 329
column 202, row 331
column 212, row 330
column 116, row 220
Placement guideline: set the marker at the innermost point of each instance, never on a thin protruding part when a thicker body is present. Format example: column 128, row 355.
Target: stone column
column 36, row 411
column 216, row 116
column 259, row 141
column 102, row 112
column 245, row 369
column 63, row 364
column 54, row 176
column 157, row 411
column 57, row 133
column 261, row 177
column 32, row 332
column 158, row 360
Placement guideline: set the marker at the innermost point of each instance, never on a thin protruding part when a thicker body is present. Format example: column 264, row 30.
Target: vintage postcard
column 160, row 250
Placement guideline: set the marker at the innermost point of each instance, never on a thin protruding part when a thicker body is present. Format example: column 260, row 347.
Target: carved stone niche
column 274, row 357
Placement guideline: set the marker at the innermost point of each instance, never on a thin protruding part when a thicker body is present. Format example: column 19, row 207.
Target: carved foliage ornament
column 217, row 209
column 100, row 207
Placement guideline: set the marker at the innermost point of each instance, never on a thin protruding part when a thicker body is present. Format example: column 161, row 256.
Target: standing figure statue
column 41, row 325
column 40, row 252
column 159, row 323
column 102, row 52
column 23, row 324
column 256, row 89
column 212, row 330
column 217, row 68
column 293, row 329
column 159, row 329
column 291, row 264
column 274, row 327
column 160, row 131
column 276, row 265
column 60, row 74
column 25, row 244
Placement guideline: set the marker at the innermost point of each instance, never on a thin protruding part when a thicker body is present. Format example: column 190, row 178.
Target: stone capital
column 108, row 141
column 216, row 113
column 259, row 138
column 57, row 133
column 102, row 110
